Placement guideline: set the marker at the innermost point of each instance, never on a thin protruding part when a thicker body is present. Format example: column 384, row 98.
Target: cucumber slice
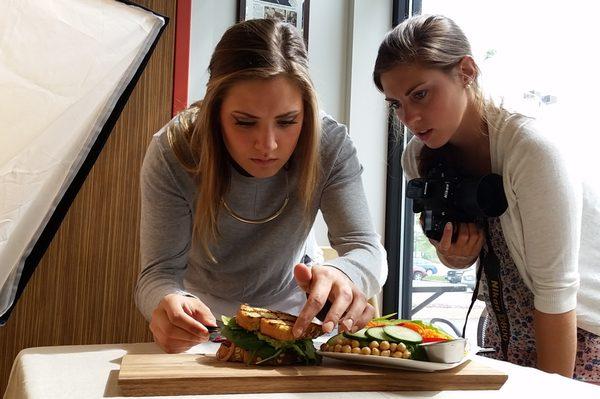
column 359, row 335
column 379, row 334
column 403, row 334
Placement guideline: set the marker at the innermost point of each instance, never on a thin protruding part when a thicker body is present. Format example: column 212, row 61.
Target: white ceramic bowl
column 447, row 351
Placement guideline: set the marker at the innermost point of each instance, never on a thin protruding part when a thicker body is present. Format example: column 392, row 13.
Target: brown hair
column 431, row 41
column 254, row 49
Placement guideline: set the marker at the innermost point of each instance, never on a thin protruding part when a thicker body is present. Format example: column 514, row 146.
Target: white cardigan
column 543, row 223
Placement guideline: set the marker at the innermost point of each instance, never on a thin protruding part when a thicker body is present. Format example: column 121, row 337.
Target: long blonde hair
column 254, row 49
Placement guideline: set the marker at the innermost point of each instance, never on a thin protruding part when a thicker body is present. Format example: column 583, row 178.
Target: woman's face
column 261, row 121
column 431, row 103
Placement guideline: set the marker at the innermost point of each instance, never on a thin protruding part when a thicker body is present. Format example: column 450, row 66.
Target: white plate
column 380, row 361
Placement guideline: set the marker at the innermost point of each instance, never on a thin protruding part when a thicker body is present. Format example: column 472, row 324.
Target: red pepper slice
column 434, row 339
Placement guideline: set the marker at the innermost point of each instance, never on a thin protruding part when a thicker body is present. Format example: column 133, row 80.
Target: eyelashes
column 243, row 123
column 284, row 123
column 416, row 96
column 419, row 95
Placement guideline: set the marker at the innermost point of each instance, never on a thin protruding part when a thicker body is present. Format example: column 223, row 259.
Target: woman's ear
column 467, row 70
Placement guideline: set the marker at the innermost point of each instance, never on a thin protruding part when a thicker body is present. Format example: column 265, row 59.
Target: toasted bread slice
column 274, row 324
column 278, row 329
column 249, row 317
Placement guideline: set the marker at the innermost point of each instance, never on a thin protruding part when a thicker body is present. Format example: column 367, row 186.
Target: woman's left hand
column 349, row 306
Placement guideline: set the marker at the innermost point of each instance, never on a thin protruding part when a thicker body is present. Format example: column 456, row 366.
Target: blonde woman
column 543, row 312
column 231, row 188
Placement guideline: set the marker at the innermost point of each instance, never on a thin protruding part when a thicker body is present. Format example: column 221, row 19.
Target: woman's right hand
column 178, row 323
column 465, row 250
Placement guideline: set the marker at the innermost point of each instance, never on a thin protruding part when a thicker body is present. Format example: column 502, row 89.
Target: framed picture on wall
column 294, row 12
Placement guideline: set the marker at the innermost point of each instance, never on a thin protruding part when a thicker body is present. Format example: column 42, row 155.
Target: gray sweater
column 255, row 262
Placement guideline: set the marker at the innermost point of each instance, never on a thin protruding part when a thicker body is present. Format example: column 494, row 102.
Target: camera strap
column 490, row 262
column 473, row 299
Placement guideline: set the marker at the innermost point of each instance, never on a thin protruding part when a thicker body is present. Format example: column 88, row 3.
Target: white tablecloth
column 91, row 371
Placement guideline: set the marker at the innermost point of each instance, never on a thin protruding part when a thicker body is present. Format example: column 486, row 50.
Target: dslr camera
column 444, row 196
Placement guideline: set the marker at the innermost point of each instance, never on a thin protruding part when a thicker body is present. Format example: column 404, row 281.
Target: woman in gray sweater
column 231, row 188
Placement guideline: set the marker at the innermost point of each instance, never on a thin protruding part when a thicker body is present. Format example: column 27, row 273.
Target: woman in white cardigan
column 537, row 258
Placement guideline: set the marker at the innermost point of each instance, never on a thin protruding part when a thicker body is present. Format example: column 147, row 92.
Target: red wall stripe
column 181, row 67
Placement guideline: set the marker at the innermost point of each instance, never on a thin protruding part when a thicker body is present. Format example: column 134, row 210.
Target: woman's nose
column 266, row 141
column 409, row 116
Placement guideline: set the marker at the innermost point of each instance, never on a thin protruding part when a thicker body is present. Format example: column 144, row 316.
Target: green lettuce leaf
column 266, row 347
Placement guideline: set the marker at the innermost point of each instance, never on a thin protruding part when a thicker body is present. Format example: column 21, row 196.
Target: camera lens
column 490, row 195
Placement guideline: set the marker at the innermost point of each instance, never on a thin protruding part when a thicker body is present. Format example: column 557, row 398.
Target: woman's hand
column 349, row 306
column 465, row 250
column 178, row 323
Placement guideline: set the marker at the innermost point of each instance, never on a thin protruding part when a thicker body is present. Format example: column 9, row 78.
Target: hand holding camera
column 464, row 250
column 453, row 210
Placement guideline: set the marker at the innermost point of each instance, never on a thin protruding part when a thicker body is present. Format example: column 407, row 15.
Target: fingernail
column 328, row 327
column 449, row 226
column 297, row 331
column 348, row 324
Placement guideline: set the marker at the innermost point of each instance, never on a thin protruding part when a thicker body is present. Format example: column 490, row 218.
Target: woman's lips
column 424, row 135
column 264, row 162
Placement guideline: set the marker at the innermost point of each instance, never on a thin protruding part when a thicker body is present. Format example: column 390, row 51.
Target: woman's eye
column 419, row 95
column 287, row 122
column 244, row 123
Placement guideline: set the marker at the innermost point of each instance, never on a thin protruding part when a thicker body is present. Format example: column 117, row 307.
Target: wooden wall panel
column 82, row 290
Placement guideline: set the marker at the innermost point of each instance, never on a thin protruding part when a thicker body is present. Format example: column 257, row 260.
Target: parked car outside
column 418, row 272
column 454, row 276
column 429, row 266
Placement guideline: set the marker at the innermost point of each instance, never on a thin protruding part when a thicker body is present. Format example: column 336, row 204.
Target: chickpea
column 324, row 347
column 385, row 353
column 365, row 350
column 374, row 344
column 338, row 340
column 406, row 355
column 384, row 345
column 346, row 342
column 393, row 347
column 346, row 349
column 401, row 347
column 337, row 348
column 397, row 354
column 375, row 351
column 354, row 343
column 356, row 350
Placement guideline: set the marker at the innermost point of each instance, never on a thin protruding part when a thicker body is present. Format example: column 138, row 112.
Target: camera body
column 444, row 196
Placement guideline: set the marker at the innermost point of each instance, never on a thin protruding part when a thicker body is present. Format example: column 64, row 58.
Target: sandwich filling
column 261, row 336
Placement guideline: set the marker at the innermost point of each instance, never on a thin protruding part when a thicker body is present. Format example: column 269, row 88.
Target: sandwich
column 264, row 337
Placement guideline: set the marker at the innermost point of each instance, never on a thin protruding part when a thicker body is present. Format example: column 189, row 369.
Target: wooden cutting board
column 192, row 374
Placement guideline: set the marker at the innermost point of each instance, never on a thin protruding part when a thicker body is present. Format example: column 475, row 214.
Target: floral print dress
column 518, row 301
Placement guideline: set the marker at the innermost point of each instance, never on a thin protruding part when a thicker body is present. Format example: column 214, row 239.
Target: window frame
column 399, row 218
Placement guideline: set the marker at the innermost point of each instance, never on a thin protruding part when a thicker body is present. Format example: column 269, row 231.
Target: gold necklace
column 256, row 221
column 263, row 220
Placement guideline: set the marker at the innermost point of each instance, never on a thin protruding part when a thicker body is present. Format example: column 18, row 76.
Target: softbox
column 67, row 68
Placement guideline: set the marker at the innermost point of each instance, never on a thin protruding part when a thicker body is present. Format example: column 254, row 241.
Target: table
column 91, row 371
